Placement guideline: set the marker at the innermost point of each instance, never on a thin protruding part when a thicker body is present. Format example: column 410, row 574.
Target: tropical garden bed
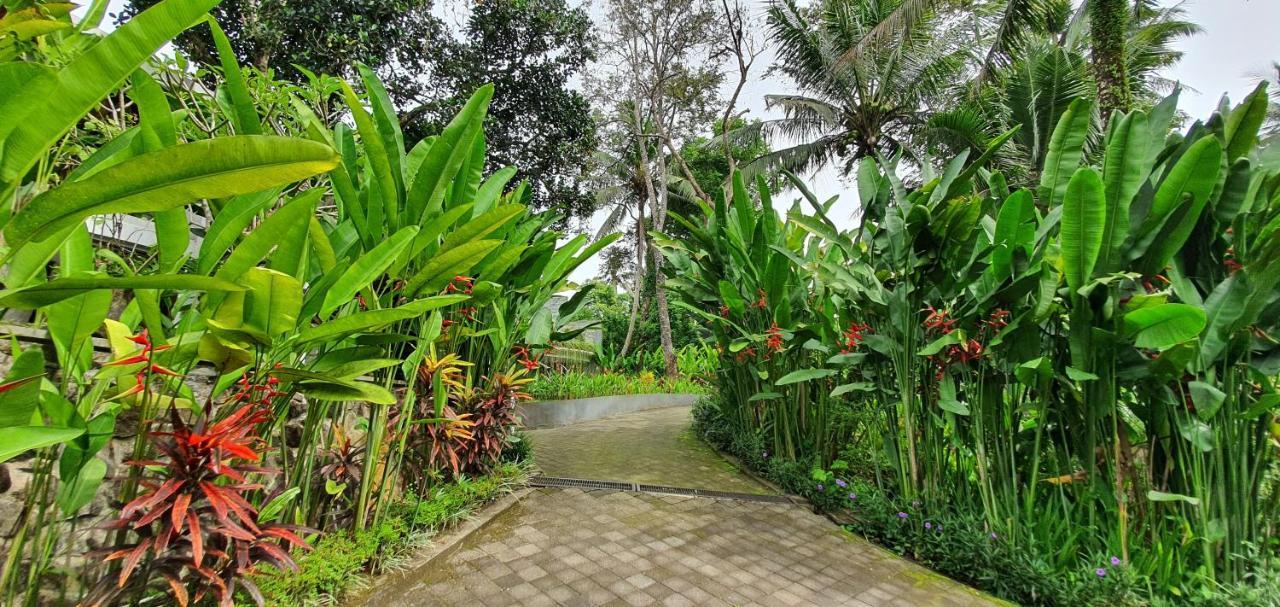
column 1063, row 393
column 316, row 361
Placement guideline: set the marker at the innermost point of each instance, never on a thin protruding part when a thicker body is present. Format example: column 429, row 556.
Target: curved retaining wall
column 553, row 413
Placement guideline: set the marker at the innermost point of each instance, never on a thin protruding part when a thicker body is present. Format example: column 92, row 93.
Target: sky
column 1238, row 46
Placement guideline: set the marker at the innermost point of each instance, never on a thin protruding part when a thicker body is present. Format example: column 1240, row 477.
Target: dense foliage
column 588, row 385
column 327, row 320
column 1086, row 369
column 530, row 51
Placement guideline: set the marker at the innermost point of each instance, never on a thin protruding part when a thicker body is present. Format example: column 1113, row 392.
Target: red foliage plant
column 202, row 535
column 494, row 416
column 470, row 437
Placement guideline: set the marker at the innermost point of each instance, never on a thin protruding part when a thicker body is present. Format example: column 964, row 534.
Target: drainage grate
column 577, row 483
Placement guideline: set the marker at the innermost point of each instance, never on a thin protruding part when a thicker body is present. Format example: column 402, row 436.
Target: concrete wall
column 553, row 413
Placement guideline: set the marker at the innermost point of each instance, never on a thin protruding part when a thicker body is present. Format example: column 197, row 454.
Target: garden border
column 556, row 413
column 440, row 545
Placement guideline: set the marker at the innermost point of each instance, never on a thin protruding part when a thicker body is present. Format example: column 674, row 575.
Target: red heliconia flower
column 774, row 340
column 761, row 301
column 938, row 321
column 971, row 351
column 460, row 284
column 724, row 311
column 142, row 357
column 525, row 358
column 999, row 319
column 745, row 353
column 853, row 336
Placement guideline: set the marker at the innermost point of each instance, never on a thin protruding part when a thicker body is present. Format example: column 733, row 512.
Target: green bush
column 339, row 559
column 587, row 385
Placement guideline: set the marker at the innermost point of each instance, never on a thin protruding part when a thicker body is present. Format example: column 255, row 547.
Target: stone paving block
column 652, row 447
column 574, row 547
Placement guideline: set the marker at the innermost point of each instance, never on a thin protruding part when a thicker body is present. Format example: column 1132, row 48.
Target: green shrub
column 339, row 559
column 587, row 385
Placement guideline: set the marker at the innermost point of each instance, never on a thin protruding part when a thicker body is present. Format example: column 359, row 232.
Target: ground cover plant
column 338, row 561
column 563, row 386
column 1083, row 367
column 328, row 322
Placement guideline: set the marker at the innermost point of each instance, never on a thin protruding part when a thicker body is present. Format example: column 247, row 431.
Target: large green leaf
column 21, row 392
column 268, row 308
column 244, row 114
column 1084, row 214
column 1124, row 170
column 1015, row 228
column 1186, row 188
column 378, row 155
column 1240, row 129
column 1164, row 325
column 172, row 177
column 29, row 129
column 366, row 269
column 325, row 387
column 483, row 225
column 290, row 221
column 366, row 321
column 273, row 300
column 229, row 224
column 446, row 156
column 1066, row 148
column 51, row 292
column 15, row 441
column 804, row 375
column 72, row 322
column 387, row 122
column 447, row 264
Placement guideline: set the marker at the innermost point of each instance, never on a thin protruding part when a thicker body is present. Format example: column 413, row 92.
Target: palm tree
column 847, row 110
column 1048, row 71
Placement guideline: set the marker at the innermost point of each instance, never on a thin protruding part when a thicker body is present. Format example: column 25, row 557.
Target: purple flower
column 928, row 525
column 994, row 536
column 841, row 484
column 902, row 515
column 853, row 497
column 1101, row 571
column 821, row 488
column 1115, row 561
column 765, row 455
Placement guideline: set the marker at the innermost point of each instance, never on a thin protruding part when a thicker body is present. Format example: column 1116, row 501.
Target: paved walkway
column 570, row 547
column 654, row 447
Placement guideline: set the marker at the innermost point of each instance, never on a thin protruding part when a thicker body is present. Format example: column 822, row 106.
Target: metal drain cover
column 579, row 483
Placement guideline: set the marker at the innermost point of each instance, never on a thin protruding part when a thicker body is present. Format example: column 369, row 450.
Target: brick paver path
column 654, row 447
column 567, row 547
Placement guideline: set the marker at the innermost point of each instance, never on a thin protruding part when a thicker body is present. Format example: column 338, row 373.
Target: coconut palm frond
column 899, row 21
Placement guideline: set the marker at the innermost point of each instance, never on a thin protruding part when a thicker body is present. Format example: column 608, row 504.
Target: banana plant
column 1100, row 348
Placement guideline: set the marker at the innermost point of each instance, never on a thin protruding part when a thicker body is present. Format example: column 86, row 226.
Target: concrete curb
column 440, row 545
column 556, row 413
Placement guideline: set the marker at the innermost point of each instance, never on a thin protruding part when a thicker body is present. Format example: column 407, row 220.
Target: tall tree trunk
column 660, row 291
column 658, row 211
column 637, row 285
column 1108, row 28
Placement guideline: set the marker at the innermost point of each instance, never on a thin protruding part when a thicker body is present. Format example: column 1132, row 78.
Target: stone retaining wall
column 555, row 413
